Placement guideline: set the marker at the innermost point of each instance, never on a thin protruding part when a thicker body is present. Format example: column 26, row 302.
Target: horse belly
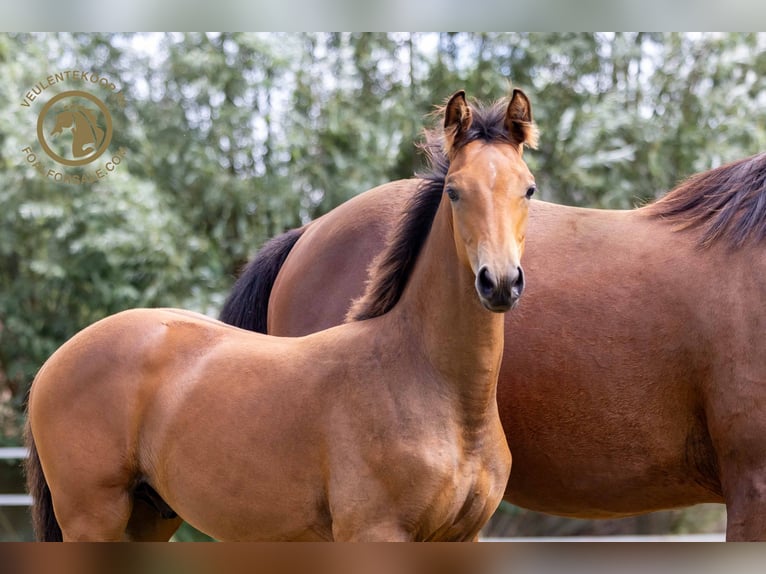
column 267, row 511
column 232, row 457
column 574, row 457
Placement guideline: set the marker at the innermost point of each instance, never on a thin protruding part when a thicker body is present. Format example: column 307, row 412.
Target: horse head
column 86, row 135
column 489, row 187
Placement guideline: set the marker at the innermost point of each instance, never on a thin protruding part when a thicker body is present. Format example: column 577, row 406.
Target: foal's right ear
column 457, row 120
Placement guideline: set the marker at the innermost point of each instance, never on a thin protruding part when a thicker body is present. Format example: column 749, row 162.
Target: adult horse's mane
column 728, row 202
column 390, row 270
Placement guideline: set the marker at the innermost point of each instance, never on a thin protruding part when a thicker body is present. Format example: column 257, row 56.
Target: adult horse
column 634, row 376
column 384, row 428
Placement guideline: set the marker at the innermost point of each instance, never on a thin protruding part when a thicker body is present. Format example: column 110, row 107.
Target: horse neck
column 440, row 306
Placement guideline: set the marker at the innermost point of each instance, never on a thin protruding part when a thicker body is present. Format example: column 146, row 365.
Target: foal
column 383, row 428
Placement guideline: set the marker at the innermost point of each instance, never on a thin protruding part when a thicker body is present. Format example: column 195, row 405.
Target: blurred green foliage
column 232, row 138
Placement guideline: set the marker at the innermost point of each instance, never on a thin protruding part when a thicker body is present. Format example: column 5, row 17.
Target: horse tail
column 44, row 521
column 247, row 305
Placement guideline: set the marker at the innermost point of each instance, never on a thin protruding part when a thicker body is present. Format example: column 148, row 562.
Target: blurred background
column 233, row 138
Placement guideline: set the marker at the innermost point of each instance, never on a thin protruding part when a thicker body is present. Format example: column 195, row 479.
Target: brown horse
column 634, row 376
column 384, row 428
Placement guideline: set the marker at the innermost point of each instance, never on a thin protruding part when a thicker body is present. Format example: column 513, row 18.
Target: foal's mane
column 390, row 270
column 728, row 202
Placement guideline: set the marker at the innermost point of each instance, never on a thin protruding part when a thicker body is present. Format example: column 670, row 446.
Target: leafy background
column 233, row 138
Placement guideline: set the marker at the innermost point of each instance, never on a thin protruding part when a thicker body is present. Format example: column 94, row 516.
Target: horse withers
column 383, row 428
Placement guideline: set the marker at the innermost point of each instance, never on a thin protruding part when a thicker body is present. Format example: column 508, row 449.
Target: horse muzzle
column 499, row 293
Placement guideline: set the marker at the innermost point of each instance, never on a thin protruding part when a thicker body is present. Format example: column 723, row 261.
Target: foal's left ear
column 518, row 121
column 457, row 120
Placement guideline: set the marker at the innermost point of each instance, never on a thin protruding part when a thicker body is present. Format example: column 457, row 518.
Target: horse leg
column 147, row 523
column 96, row 514
column 112, row 514
column 736, row 418
column 377, row 532
column 738, row 428
column 92, row 502
column 745, row 496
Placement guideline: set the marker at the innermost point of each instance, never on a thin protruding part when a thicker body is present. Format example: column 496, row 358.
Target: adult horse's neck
column 440, row 307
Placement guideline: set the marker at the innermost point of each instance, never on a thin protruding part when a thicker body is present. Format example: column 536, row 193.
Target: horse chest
column 475, row 493
column 463, row 481
column 434, row 486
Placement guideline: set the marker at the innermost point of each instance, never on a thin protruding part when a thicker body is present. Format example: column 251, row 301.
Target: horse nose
column 499, row 294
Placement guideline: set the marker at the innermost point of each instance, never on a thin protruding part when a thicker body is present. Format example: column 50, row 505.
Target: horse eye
column 452, row 194
column 531, row 191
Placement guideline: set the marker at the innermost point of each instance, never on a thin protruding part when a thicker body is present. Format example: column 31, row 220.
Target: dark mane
column 390, row 270
column 727, row 203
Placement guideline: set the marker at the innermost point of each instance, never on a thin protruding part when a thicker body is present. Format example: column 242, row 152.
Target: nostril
column 485, row 282
column 518, row 285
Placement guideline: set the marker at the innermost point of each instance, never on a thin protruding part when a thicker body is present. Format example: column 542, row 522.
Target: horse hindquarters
column 83, row 421
column 87, row 507
column 76, row 495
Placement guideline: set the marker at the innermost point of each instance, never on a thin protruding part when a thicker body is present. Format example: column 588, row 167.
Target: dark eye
column 452, row 194
column 531, row 191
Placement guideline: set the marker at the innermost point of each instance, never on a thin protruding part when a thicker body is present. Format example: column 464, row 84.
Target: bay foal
column 383, row 428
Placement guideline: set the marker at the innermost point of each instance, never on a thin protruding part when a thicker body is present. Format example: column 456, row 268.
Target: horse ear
column 457, row 120
column 518, row 120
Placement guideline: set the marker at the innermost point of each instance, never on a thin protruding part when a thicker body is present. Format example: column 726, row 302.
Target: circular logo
column 74, row 128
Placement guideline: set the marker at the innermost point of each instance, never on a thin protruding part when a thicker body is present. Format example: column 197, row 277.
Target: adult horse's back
column 636, row 377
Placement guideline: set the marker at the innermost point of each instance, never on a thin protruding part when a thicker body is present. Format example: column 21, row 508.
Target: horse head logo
column 87, row 136
column 90, row 127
